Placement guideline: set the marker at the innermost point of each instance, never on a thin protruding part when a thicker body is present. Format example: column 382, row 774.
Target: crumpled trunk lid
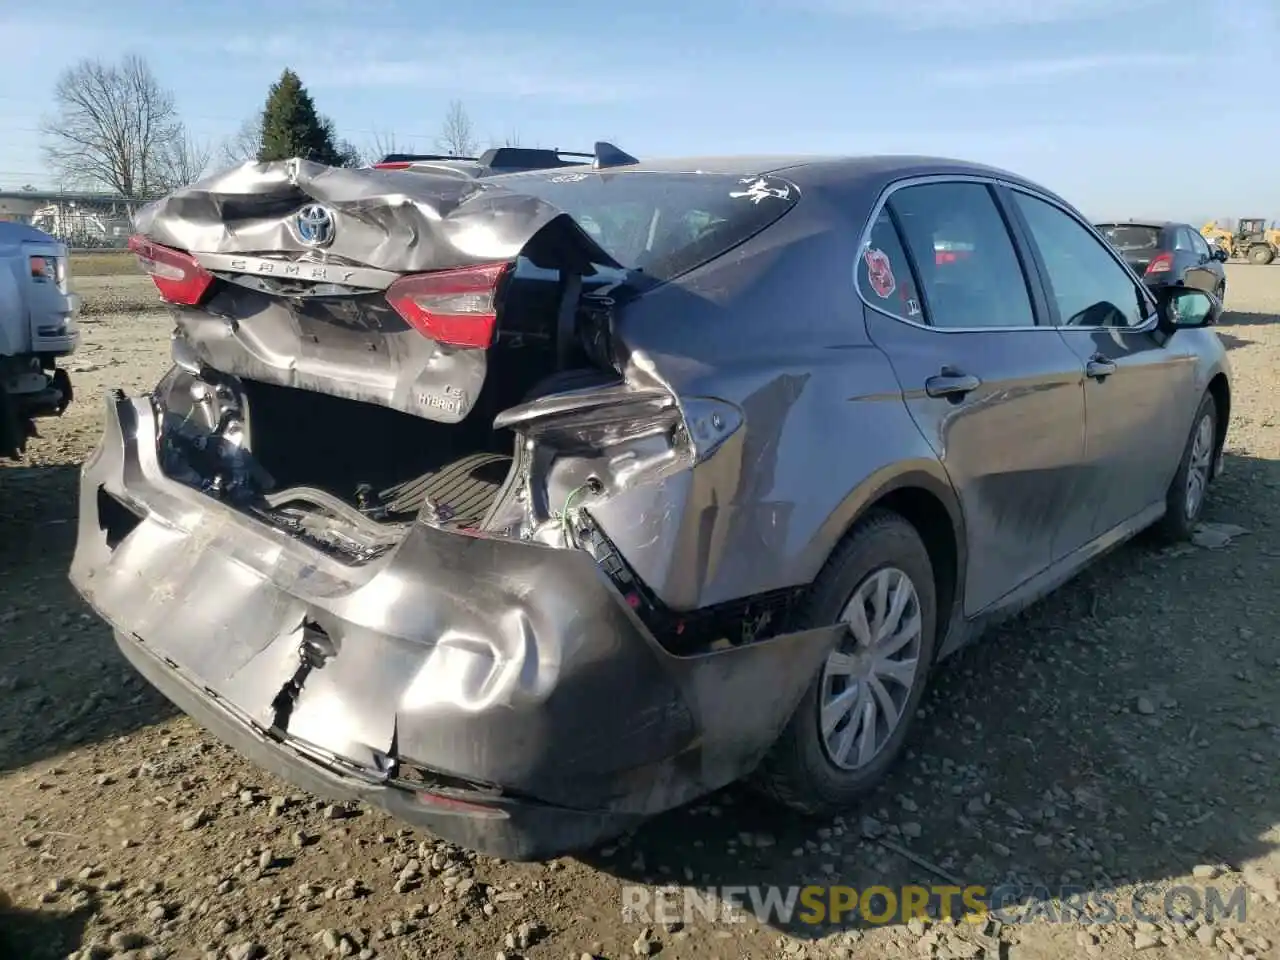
column 305, row 261
column 385, row 219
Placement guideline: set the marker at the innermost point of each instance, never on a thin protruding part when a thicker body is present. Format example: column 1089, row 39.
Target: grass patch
column 104, row 263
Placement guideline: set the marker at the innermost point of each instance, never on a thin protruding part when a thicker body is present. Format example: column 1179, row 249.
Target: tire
column 1261, row 254
column 1221, row 293
column 1181, row 514
column 13, row 435
column 799, row 771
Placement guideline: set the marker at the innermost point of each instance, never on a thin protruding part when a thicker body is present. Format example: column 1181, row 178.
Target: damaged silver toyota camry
column 529, row 506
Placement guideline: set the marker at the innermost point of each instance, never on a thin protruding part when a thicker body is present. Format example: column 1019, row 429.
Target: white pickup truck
column 37, row 326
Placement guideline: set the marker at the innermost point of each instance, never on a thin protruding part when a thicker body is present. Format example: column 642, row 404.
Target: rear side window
column 1131, row 238
column 662, row 224
column 968, row 266
column 884, row 272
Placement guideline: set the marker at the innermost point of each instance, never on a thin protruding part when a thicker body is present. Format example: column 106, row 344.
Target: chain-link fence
column 82, row 221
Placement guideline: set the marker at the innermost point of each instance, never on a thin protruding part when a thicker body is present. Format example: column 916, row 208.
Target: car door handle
column 1099, row 367
column 951, row 385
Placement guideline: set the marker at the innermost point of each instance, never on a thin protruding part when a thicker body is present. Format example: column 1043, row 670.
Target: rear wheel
column 1186, row 496
column 1221, row 292
column 854, row 719
column 1261, row 254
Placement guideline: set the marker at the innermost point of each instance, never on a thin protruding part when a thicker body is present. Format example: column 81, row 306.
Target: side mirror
column 1181, row 308
column 1219, row 254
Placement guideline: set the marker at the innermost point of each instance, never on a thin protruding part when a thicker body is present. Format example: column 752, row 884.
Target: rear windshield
column 663, row 224
column 1128, row 236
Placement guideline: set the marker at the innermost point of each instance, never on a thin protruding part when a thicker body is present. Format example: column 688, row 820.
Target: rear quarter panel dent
column 777, row 330
column 768, row 508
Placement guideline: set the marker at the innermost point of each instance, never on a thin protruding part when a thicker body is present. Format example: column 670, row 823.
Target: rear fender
column 578, row 450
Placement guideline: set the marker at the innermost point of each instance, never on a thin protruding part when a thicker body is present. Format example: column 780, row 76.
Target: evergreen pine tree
column 291, row 127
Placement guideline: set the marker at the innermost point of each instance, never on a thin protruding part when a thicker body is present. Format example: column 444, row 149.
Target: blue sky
column 1127, row 107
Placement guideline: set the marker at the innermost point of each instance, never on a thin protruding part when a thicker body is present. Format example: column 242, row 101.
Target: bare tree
column 183, row 161
column 512, row 139
column 457, row 136
column 112, row 127
column 348, row 154
column 244, row 144
column 380, row 146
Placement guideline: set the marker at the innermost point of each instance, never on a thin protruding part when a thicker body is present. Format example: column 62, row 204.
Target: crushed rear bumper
column 498, row 693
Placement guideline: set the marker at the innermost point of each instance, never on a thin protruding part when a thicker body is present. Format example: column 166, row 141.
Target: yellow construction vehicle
column 1220, row 236
column 1251, row 240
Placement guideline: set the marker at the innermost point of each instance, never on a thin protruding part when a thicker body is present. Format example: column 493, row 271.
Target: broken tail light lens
column 454, row 307
column 176, row 274
column 1161, row 264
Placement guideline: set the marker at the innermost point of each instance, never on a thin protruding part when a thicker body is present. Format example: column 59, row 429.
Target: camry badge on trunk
column 313, row 226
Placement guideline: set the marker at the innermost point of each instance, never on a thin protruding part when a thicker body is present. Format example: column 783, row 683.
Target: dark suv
column 1169, row 254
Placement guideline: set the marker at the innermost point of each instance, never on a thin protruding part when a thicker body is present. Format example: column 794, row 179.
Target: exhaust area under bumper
column 496, row 692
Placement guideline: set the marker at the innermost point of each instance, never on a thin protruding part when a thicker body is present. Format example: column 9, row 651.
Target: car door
column 1183, row 258
column 1135, row 376
column 1207, row 273
column 998, row 395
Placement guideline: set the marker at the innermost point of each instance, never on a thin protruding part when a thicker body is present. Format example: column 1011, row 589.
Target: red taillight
column 1160, row 264
column 456, row 307
column 42, row 268
column 944, row 256
column 176, row 274
column 397, row 165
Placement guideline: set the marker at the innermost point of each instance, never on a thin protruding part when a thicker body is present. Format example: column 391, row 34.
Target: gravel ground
column 109, row 295
column 1122, row 736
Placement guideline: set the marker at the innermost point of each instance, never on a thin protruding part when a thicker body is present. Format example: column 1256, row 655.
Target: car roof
column 873, row 170
column 852, row 165
column 1151, row 224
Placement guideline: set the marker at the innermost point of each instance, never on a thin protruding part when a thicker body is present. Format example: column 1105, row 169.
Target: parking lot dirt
column 1122, row 738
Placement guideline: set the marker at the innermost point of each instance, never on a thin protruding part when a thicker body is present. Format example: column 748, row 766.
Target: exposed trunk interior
column 345, row 473
column 386, row 462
